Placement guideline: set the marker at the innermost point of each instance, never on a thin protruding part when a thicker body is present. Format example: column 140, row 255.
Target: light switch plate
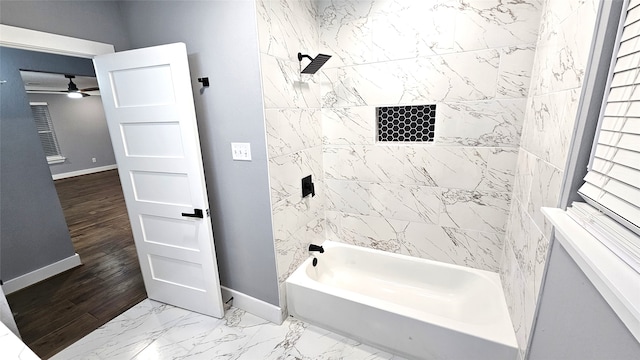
column 241, row 151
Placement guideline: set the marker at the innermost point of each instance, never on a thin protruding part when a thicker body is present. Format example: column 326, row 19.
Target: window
column 46, row 132
column 612, row 183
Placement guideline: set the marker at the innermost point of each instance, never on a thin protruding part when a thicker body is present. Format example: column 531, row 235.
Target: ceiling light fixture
column 73, row 92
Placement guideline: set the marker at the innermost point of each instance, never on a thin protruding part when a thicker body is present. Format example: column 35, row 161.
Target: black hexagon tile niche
column 415, row 123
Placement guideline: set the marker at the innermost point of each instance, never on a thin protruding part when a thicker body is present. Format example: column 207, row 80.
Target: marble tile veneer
column 489, row 169
column 471, row 248
column 558, row 72
column 449, row 201
column 473, row 59
column 293, row 126
column 151, row 330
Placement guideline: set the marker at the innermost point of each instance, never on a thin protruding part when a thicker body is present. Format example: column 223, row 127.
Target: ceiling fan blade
column 84, row 94
column 48, row 91
column 95, row 88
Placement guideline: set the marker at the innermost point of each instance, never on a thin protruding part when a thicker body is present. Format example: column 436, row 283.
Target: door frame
column 27, row 39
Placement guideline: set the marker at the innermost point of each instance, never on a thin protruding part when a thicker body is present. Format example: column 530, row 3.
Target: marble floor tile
column 152, row 330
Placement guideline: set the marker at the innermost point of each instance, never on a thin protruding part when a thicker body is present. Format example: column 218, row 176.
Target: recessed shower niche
column 406, row 123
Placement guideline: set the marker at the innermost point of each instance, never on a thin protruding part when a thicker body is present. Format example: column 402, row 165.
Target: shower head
column 315, row 64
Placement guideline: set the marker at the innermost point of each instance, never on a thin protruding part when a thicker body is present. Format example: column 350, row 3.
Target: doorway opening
column 150, row 107
column 54, row 313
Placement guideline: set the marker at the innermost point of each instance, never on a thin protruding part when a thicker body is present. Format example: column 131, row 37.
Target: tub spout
column 314, row 247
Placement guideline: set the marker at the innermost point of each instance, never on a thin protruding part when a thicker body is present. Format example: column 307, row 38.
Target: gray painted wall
column 92, row 20
column 222, row 43
column 574, row 320
column 33, row 231
column 81, row 129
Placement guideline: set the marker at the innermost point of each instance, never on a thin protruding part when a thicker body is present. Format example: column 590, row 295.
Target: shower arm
column 300, row 56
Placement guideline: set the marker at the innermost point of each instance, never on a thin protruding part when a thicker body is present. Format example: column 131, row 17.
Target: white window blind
column 612, row 183
column 46, row 133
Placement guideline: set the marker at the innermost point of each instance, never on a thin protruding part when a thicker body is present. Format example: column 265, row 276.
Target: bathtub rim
column 500, row 331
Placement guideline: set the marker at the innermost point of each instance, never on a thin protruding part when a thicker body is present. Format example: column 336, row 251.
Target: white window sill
column 616, row 281
column 55, row 159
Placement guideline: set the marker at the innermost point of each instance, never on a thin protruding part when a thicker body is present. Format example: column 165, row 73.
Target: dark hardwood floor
column 55, row 313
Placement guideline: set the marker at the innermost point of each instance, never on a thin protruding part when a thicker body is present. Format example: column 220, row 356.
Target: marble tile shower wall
column 293, row 126
column 563, row 44
column 448, row 200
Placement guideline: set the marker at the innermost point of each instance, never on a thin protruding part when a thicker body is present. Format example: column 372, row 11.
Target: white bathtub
column 412, row 307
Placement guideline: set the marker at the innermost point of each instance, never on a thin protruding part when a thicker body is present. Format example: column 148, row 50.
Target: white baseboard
column 84, row 172
column 43, row 273
column 254, row 306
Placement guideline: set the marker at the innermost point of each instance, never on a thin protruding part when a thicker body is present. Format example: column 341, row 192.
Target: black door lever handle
column 197, row 213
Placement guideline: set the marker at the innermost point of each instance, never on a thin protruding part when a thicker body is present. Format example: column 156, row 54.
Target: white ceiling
column 55, row 82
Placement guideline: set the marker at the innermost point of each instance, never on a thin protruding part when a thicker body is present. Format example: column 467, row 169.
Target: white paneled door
column 148, row 102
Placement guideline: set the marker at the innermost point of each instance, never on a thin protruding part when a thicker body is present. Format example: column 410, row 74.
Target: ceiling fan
column 72, row 89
